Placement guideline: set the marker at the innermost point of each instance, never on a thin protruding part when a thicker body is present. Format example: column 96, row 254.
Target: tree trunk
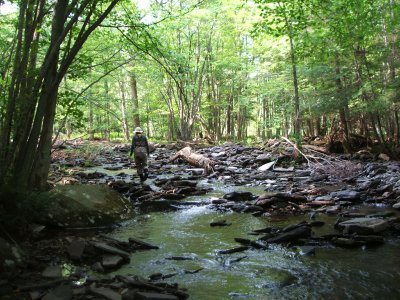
column 171, row 114
column 106, row 131
column 125, row 127
column 265, row 116
column 296, row 100
column 33, row 91
column 342, row 110
column 91, row 122
column 229, row 118
column 135, row 101
column 397, row 136
column 32, row 168
column 318, row 129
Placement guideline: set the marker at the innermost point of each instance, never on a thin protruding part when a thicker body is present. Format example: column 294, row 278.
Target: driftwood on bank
column 195, row 159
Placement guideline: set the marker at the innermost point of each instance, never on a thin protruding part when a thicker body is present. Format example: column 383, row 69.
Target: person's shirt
column 139, row 141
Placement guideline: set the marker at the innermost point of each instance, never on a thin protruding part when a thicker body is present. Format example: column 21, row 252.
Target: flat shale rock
column 75, row 249
column 62, row 292
column 109, row 249
column 364, row 225
column 347, row 195
column 105, row 293
column 154, row 296
column 112, row 261
column 292, row 235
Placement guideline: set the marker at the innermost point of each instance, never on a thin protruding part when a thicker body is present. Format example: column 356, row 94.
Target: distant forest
column 228, row 70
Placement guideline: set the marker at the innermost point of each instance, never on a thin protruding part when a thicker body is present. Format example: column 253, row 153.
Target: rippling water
column 276, row 273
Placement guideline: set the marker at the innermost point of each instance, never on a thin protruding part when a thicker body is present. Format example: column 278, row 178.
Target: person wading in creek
column 140, row 149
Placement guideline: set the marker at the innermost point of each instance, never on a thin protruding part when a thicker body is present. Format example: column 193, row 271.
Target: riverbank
column 265, row 182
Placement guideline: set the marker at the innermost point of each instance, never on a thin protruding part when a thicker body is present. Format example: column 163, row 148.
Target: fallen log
column 195, row 159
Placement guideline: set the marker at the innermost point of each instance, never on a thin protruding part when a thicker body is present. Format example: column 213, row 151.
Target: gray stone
column 384, row 214
column 384, row 156
column 333, row 209
column 263, row 158
column 75, row 249
column 62, row 292
column 238, row 196
column 369, row 184
column 219, row 201
column 266, row 166
column 97, row 267
column 323, row 198
column 35, row 295
column 307, row 250
column 110, row 249
column 232, row 169
column 106, row 293
column 52, row 272
column 364, row 225
column 219, row 154
column 346, row 195
column 397, row 206
column 154, row 296
column 112, row 261
column 195, row 171
column 290, row 169
column 292, row 235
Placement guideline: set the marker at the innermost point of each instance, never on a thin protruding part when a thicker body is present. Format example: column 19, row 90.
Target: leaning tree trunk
column 34, row 162
column 27, row 156
column 195, row 159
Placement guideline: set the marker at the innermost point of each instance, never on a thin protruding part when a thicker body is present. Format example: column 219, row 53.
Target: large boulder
column 73, row 206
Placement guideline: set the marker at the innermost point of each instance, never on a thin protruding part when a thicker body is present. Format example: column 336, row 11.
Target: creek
column 188, row 255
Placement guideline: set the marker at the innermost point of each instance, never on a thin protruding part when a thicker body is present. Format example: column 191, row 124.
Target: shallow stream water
column 188, row 243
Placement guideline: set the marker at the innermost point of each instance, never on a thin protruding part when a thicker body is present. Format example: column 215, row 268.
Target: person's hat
column 138, row 129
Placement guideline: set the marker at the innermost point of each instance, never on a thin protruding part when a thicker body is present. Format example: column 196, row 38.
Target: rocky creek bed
column 73, row 264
